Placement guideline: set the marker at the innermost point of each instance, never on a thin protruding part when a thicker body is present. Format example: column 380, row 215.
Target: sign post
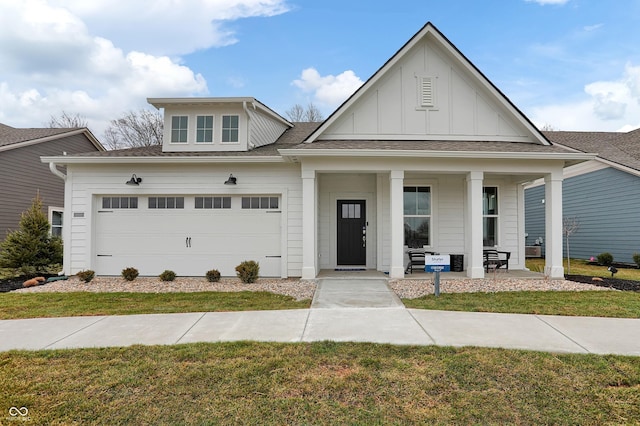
column 437, row 263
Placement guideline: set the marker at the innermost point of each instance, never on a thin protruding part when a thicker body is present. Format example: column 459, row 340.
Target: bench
column 495, row 259
column 416, row 258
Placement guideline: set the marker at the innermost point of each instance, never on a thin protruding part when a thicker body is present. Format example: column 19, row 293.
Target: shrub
column 636, row 259
column 129, row 274
column 213, row 276
column 30, row 249
column 605, row 259
column 168, row 275
column 248, row 271
column 86, row 276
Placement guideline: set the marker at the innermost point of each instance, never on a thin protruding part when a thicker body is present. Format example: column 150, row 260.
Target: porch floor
column 419, row 275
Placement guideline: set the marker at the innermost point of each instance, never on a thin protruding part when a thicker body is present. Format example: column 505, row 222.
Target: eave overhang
column 569, row 158
column 65, row 160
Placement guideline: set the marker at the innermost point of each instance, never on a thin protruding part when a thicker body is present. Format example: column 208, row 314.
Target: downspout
column 55, row 171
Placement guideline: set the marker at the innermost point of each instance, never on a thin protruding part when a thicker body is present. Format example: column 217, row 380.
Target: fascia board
column 579, row 157
column 159, row 160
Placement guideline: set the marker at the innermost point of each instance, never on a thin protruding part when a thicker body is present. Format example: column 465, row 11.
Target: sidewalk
column 341, row 311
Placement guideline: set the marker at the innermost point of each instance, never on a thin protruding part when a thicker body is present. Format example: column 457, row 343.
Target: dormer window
column 204, row 129
column 230, row 128
column 179, row 125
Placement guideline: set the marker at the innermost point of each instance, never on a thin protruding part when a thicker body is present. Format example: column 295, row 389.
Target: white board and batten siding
column 188, row 241
column 457, row 106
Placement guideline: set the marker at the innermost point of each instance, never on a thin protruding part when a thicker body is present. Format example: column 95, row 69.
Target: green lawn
column 581, row 267
column 35, row 305
column 616, row 304
column 318, row 383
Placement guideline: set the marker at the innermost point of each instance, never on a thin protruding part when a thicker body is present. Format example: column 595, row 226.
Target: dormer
column 217, row 124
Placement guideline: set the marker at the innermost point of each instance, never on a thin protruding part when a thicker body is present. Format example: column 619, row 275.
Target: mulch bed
column 618, row 284
column 11, row 284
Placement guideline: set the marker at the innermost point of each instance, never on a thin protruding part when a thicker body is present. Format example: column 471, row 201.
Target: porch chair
column 495, row 259
column 416, row 258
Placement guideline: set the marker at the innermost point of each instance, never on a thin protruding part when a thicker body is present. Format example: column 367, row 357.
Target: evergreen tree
column 31, row 250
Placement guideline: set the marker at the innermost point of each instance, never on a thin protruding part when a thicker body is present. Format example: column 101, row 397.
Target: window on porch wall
column 417, row 216
column 490, row 216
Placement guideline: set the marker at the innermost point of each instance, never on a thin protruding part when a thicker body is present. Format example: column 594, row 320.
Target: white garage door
column 187, row 240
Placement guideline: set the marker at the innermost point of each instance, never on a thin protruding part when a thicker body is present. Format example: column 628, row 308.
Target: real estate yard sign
column 437, row 263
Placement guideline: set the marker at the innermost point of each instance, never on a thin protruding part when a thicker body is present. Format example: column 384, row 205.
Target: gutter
column 54, row 169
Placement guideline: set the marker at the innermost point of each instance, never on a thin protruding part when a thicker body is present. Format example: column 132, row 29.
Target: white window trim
column 222, row 128
column 51, row 210
column 410, row 184
column 213, row 129
column 497, row 216
column 171, row 141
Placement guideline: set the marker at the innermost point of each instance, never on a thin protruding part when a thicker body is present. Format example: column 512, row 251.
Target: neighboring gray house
column 23, row 175
column 602, row 194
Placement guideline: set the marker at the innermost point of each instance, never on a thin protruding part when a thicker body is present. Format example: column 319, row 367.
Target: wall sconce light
column 231, row 181
column 135, row 180
column 543, row 201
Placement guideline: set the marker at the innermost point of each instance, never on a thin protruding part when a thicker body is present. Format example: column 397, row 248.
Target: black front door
column 352, row 233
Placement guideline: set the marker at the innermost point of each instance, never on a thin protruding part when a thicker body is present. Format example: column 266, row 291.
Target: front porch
column 453, row 219
column 519, row 274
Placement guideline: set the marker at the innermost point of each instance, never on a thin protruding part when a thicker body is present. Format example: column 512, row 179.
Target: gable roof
column 436, row 36
column 12, row 138
column 617, row 148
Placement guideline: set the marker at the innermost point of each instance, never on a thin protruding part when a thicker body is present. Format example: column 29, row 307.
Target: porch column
column 553, row 267
column 309, row 258
column 396, row 178
column 474, row 245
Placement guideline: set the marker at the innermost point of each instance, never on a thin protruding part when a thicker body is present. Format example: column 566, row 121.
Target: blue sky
column 570, row 64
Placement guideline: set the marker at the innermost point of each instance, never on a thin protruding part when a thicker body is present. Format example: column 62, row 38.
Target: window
column 213, row 203
column 230, row 128
column 166, row 202
column 490, row 216
column 351, row 211
column 259, row 202
column 179, row 124
column 55, row 219
column 204, row 128
column 119, row 202
column 417, row 216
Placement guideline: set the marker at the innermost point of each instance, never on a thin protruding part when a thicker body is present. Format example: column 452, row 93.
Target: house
column 603, row 195
column 24, row 176
column 428, row 153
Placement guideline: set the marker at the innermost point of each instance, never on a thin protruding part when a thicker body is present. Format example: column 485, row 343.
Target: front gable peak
column 428, row 90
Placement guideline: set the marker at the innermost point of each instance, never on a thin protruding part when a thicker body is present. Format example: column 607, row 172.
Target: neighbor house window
column 179, row 124
column 230, row 128
column 166, row 202
column 213, row 203
column 55, row 219
column 417, row 216
column 259, row 202
column 490, row 216
column 119, row 202
column 204, row 128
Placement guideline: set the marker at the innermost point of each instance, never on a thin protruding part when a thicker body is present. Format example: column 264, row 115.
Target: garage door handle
column 187, row 242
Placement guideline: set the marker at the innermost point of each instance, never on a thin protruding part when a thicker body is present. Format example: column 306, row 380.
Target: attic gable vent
column 426, row 91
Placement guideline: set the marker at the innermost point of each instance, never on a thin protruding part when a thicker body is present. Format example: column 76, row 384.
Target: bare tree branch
column 66, row 120
column 135, row 129
column 298, row 113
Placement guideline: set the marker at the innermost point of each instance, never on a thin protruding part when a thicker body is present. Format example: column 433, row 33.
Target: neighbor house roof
column 12, row 137
column 620, row 148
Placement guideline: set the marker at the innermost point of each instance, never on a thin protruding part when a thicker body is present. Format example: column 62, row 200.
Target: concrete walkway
column 342, row 310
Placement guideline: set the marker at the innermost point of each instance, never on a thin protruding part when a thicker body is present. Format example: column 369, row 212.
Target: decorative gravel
column 411, row 289
column 303, row 289
column 290, row 287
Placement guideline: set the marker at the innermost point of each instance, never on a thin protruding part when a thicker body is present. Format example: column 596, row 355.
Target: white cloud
column 608, row 106
column 102, row 58
column 328, row 90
